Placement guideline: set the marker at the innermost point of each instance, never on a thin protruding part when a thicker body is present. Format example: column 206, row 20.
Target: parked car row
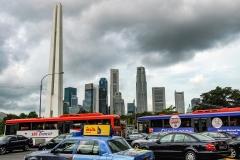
column 154, row 139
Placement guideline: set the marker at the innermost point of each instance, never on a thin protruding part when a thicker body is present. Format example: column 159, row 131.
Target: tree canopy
column 219, row 98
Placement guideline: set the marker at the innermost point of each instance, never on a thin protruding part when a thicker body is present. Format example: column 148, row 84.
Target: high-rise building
column 114, row 86
column 69, row 92
column 88, row 106
column 195, row 101
column 54, row 98
column 103, row 96
column 179, row 102
column 118, row 103
column 158, row 99
column 74, row 100
column 131, row 109
column 141, row 90
column 95, row 98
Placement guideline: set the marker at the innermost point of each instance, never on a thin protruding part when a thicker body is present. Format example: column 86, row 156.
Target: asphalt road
column 19, row 154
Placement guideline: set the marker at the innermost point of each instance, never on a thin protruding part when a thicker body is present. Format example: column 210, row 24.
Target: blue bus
column 226, row 119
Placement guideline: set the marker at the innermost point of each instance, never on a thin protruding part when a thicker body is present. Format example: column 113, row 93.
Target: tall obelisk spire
column 54, row 99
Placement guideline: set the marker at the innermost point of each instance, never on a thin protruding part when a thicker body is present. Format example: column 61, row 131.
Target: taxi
column 93, row 142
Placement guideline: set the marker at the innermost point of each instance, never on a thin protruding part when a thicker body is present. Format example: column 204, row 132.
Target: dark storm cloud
column 169, row 32
column 10, row 96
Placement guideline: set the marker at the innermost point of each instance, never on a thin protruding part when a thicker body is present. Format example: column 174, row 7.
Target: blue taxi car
column 94, row 142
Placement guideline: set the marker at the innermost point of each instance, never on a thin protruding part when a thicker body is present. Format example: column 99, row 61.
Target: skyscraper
column 103, row 96
column 88, row 106
column 118, row 104
column 158, row 99
column 179, row 102
column 114, row 86
column 54, row 98
column 141, row 90
column 95, row 98
column 68, row 93
column 130, row 108
column 74, row 108
column 195, row 101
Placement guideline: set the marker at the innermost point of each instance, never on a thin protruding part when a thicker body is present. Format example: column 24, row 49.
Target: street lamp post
column 41, row 91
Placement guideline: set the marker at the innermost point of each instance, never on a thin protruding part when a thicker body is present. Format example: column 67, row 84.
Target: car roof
column 101, row 138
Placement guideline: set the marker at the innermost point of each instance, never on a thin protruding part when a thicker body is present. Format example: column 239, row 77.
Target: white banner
column 38, row 133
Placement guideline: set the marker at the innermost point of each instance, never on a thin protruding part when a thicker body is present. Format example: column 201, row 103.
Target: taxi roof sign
column 96, row 130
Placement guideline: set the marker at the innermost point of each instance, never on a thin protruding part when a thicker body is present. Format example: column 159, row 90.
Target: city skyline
column 188, row 46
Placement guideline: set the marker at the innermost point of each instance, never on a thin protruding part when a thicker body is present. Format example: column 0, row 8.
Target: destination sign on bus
column 96, row 130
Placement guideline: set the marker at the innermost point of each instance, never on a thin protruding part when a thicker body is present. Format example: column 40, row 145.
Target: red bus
column 44, row 129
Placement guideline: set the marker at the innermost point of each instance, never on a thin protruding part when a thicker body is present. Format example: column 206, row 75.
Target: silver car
column 153, row 137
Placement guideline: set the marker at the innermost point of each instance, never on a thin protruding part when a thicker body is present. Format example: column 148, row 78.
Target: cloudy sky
column 184, row 45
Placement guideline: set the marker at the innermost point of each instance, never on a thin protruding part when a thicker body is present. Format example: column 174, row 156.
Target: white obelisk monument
column 54, row 99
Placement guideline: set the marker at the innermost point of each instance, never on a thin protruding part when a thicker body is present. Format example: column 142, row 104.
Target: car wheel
column 190, row 155
column 26, row 147
column 2, row 150
column 233, row 153
column 136, row 145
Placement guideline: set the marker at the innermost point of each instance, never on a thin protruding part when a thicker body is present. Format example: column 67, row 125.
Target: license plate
column 145, row 158
column 222, row 147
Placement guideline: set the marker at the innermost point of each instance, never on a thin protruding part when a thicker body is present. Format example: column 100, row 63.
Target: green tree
column 22, row 115
column 218, row 98
column 82, row 111
column 91, row 109
column 169, row 110
column 8, row 117
column 32, row 114
column 65, row 112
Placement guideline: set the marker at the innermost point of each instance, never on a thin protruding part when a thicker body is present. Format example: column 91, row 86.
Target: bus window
column 106, row 121
column 95, row 121
column 36, row 126
column 78, row 124
column 11, row 129
column 116, row 122
column 166, row 123
column 185, row 122
column 156, row 123
column 24, row 126
column 50, row 125
column 234, row 121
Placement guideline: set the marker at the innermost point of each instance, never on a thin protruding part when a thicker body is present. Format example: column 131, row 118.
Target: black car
column 190, row 146
column 14, row 142
column 153, row 137
column 235, row 147
column 135, row 136
column 219, row 136
column 53, row 142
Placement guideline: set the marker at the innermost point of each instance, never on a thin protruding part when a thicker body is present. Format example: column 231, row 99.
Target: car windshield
column 4, row 138
column 202, row 137
column 145, row 134
column 118, row 145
